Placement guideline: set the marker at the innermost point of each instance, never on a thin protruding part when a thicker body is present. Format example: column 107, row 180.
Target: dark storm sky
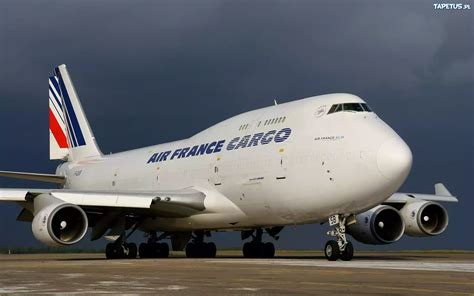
column 150, row 72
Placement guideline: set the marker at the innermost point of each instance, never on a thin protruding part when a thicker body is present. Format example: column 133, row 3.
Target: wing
column 178, row 203
column 442, row 194
column 105, row 208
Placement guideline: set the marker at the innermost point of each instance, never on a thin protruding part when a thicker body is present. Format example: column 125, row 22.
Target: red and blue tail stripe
column 56, row 117
column 76, row 136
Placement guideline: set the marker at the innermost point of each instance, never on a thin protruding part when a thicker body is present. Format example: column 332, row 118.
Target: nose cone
column 394, row 159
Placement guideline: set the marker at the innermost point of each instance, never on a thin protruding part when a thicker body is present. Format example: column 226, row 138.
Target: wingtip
column 440, row 189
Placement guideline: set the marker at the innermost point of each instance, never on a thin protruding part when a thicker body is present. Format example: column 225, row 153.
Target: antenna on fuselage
column 275, row 102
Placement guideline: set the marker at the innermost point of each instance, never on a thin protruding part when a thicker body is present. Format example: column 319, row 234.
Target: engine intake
column 424, row 218
column 60, row 224
column 380, row 225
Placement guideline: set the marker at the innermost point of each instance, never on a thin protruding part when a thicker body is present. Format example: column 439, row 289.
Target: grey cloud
column 459, row 72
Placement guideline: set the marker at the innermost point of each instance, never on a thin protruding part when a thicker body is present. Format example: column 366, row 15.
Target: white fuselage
column 344, row 162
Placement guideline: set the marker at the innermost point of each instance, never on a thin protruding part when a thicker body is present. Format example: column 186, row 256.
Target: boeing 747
column 327, row 158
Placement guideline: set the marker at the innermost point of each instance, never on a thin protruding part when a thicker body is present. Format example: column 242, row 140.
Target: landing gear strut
column 258, row 249
column 197, row 248
column 153, row 248
column 340, row 248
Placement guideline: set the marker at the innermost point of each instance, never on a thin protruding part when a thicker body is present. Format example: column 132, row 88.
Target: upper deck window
column 350, row 107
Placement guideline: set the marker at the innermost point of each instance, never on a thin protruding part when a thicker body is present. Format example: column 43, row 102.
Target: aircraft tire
column 114, row 251
column 269, row 250
column 132, row 251
column 144, row 250
column 331, row 250
column 247, row 250
column 348, row 252
column 109, row 253
column 191, row 250
column 201, row 250
column 164, row 250
column 258, row 250
column 211, row 250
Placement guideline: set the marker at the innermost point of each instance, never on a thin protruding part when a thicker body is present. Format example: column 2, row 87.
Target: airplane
column 326, row 158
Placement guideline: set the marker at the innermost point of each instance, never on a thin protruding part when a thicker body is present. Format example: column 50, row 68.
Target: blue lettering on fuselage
column 232, row 143
column 216, row 146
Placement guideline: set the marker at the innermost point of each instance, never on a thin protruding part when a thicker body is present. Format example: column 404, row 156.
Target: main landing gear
column 153, row 248
column 340, row 248
column 256, row 248
column 197, row 248
column 120, row 249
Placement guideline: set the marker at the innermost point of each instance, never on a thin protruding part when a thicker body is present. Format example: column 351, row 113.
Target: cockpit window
column 356, row 107
column 351, row 107
column 366, row 107
column 333, row 109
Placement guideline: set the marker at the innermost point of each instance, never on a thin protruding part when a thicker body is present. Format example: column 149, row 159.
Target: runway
column 291, row 272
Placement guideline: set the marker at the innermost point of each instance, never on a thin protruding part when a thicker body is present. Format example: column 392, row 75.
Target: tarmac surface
column 291, row 272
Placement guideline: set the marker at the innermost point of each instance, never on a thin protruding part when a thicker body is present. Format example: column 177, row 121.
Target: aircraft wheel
column 259, row 249
column 201, row 250
column 331, row 250
column 269, row 250
column 191, row 250
column 144, row 250
column 114, row 251
column 211, row 250
column 164, row 250
column 109, row 252
column 155, row 250
column 132, row 251
column 348, row 252
column 247, row 250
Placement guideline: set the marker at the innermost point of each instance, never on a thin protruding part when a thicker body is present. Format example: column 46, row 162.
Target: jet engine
column 380, row 225
column 60, row 224
column 424, row 218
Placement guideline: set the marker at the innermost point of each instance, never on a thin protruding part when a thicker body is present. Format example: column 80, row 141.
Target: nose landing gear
column 340, row 248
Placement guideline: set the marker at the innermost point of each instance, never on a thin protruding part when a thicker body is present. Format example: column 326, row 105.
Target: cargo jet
column 326, row 158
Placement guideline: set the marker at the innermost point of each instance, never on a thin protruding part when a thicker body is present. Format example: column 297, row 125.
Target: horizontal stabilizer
column 34, row 177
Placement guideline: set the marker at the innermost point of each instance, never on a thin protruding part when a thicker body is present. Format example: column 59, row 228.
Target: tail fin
column 80, row 139
column 58, row 146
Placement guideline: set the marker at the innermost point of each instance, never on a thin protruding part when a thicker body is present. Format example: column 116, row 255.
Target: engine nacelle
column 60, row 224
column 378, row 226
column 424, row 218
